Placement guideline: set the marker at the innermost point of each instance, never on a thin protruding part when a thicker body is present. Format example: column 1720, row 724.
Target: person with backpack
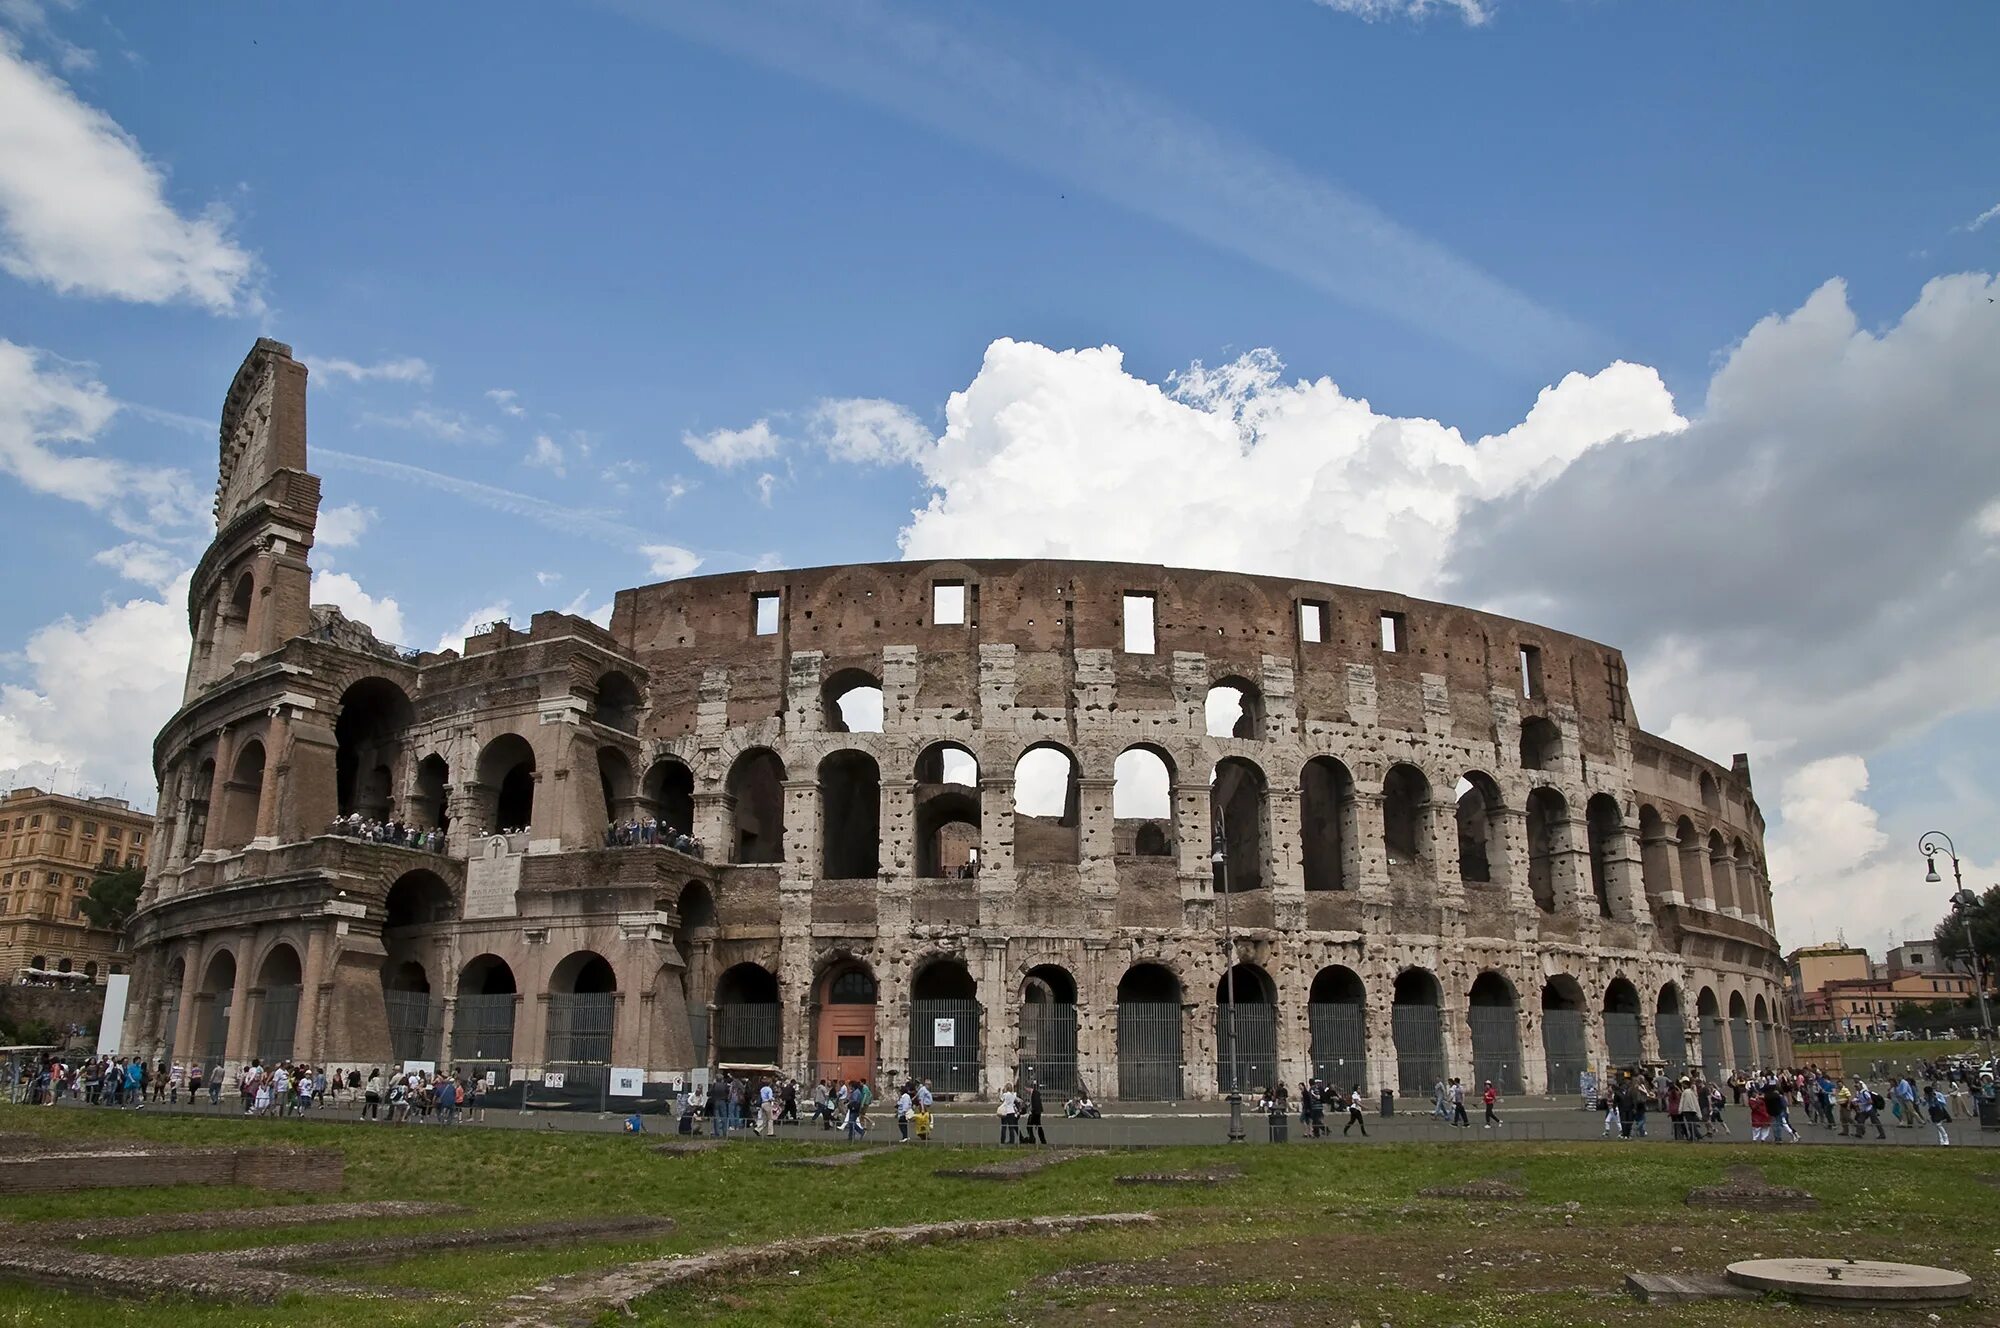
column 1940, row 1113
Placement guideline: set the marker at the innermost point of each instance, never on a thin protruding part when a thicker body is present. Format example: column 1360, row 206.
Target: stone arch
column 1721, row 886
column 1150, row 1060
column 1694, row 865
column 1493, row 1018
column 948, row 811
column 482, row 1024
column 1565, row 1044
column 1624, row 1042
column 616, row 701
column 1541, row 744
column 1708, row 1012
column 1337, row 1022
column 418, row 898
column 945, row 1024
column 1239, row 813
column 1670, row 1025
column 667, row 794
column 756, row 787
column 1739, row 1034
column 1327, row 823
column 374, row 714
column 1760, row 1015
column 1417, row 1027
column 1604, row 832
column 198, row 807
column 280, row 978
column 1656, row 870
column 1047, row 806
column 616, row 786
column 851, row 701
column 1046, row 1050
column 845, row 995
column 431, row 804
column 1234, row 708
column 242, row 795
column 582, row 1010
column 1548, row 842
column 850, row 800
column 747, row 1016
column 1482, row 829
column 1744, row 878
column 1142, row 803
column 1256, row 1035
column 1711, row 794
column 506, row 775
column 218, row 986
column 1406, row 799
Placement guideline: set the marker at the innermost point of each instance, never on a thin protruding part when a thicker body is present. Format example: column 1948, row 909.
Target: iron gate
column 698, row 1035
column 1739, row 1043
column 215, row 1030
column 1256, row 1047
column 1673, row 1040
column 1419, row 1036
column 482, row 1029
column 172, row 1027
column 1565, row 1052
column 1048, row 1045
column 580, row 1027
column 1711, row 1047
column 1621, row 1038
column 416, row 1026
column 1496, row 1046
column 277, row 1023
column 944, row 1044
column 1767, row 1052
column 1149, row 1051
column 1339, row 1044
column 746, row 1034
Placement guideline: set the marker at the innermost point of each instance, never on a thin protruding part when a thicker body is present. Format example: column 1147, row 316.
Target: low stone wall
column 310, row 1170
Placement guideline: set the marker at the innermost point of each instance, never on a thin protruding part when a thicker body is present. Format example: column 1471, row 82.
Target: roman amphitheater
column 975, row 820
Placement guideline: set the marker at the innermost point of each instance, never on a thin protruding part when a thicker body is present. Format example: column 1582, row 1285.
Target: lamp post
column 1220, row 858
column 1963, row 900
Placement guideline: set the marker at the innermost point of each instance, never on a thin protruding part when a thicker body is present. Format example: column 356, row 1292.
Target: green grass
column 1858, row 1055
column 1352, row 1210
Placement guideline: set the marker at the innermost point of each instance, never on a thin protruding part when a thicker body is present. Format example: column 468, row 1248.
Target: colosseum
column 976, row 820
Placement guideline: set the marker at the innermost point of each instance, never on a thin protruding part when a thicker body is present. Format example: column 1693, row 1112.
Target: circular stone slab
column 1853, row 1281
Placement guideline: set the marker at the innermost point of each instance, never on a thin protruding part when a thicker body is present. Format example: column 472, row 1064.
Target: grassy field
column 1859, row 1057
column 1310, row 1234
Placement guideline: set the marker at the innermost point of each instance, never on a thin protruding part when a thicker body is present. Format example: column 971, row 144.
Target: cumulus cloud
column 408, row 369
column 475, row 622
column 1476, row 13
column 869, row 430
column 148, row 564
column 546, row 454
column 82, row 209
column 727, row 448
column 342, row 527
column 668, row 561
column 383, row 615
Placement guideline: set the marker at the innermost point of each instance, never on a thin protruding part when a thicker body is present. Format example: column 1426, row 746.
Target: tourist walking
column 1031, row 1130
column 1354, row 1114
column 1458, row 1117
column 1010, row 1116
column 1491, row 1097
column 1940, row 1113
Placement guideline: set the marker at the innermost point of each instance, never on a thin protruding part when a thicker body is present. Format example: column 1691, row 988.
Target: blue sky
column 575, row 255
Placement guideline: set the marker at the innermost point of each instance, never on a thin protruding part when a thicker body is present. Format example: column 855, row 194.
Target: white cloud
column 97, row 691
column 475, row 622
column 546, row 579
column 408, row 369
column 618, row 476
column 732, row 447
column 47, row 413
column 148, row 564
column 504, row 398
column 384, row 616
column 668, row 561
column 83, row 211
column 767, row 484
column 581, row 607
column 1475, row 12
column 675, row 489
column 1990, row 214
column 30, row 18
column 546, row 454
column 342, row 527
column 447, row 426
column 869, row 430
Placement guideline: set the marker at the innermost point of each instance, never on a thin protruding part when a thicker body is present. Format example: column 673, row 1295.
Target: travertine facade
column 1446, row 846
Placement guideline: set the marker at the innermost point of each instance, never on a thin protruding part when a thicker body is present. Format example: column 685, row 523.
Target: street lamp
column 1963, row 900
column 1220, row 858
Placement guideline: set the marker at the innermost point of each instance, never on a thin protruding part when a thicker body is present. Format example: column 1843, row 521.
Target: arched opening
column 197, row 806
column 1337, row 1018
column 944, row 1027
column 616, row 705
column 1548, row 840
column 947, row 812
column 1255, row 1038
column 507, row 784
column 1482, row 836
column 1565, row 1051
column 1238, row 810
column 1047, row 1052
column 1749, row 895
column 1142, row 804
column 582, row 1008
column 63, row 965
column 1721, row 873
column 844, row 1039
column 694, row 935
column 374, row 713
column 418, row 898
column 756, row 787
column 432, row 805
column 1541, row 744
column 1326, row 823
column 1406, row 797
column 746, row 1016
column 1739, row 1034
column 1604, row 830
column 1671, row 1026
column 1493, row 1017
column 241, row 795
column 851, row 702
column 668, row 793
column 1149, row 1034
column 1656, row 870
column 1235, row 709
column 850, row 817
column 1623, row 1042
column 279, row 979
column 616, row 786
column 1711, row 793
column 39, row 963
column 218, row 987
column 1708, row 1012
column 1047, row 817
column 90, row 971
column 1694, row 864
column 482, row 1020
column 1418, row 1031
column 1761, row 1026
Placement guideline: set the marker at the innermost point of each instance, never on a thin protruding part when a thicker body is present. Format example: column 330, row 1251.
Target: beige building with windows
column 51, row 846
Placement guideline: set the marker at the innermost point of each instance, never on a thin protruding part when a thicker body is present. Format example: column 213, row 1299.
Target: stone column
column 277, row 763
column 897, row 827
column 187, row 1023
column 1665, row 855
column 715, row 825
column 1569, row 871
column 1285, row 861
column 1514, row 832
column 314, row 978
column 1371, row 850
column 996, row 823
column 802, row 830
column 1722, row 876
column 242, row 1019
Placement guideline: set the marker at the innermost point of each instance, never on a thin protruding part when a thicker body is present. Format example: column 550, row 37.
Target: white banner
column 944, row 1032
column 111, row 1024
column 553, row 1079
column 627, row 1082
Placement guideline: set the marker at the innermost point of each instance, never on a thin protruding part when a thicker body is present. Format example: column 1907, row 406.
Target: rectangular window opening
column 1394, row 633
column 851, row 1044
column 948, row 603
column 1312, row 621
column 1138, row 623
column 1531, row 671
column 765, row 608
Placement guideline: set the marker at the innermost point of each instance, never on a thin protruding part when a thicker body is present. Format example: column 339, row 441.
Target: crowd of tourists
column 398, row 833
column 1695, row 1105
column 650, row 832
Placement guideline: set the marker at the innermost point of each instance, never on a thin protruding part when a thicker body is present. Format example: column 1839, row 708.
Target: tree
column 1985, row 918
column 112, row 897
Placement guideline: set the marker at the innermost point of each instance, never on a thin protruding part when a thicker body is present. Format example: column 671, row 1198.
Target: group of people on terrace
column 398, row 833
column 649, row 831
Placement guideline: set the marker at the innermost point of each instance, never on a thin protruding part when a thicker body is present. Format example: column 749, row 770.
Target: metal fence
column 277, row 1023
column 171, row 1027
column 1711, row 1047
column 214, row 1033
column 1496, row 1047
column 944, row 1044
column 1339, row 1044
column 1673, row 1041
column 698, row 1035
column 482, row 1029
column 1419, row 1036
column 1622, row 1042
column 1256, row 1047
column 1739, row 1044
column 580, row 1028
column 1149, row 1051
column 416, row 1026
column 1565, row 1051
column 746, row 1034
column 1048, row 1046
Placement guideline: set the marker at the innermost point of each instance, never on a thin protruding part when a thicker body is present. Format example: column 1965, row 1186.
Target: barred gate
column 1496, row 1046
column 1419, row 1037
column 277, row 1023
column 1565, row 1050
column 215, row 1032
column 580, row 1028
column 746, row 1034
column 944, row 1044
column 1767, row 1051
column 1339, row 1044
column 1621, row 1038
column 1673, row 1040
column 416, row 1026
column 1711, row 1047
column 1739, row 1043
column 698, row 1035
column 482, row 1030
column 1256, row 1046
column 1048, row 1045
column 172, row 1027
column 1149, row 1051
